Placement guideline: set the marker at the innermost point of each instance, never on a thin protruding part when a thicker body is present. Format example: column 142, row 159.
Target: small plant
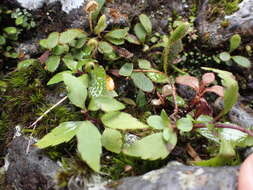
column 76, row 54
column 199, row 103
column 10, row 34
column 225, row 56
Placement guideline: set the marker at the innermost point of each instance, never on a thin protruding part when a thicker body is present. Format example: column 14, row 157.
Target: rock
column 216, row 32
column 176, row 176
column 30, row 171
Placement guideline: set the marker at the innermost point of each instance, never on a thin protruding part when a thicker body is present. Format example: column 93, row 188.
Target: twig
column 46, row 112
column 223, row 125
column 147, row 71
column 41, row 117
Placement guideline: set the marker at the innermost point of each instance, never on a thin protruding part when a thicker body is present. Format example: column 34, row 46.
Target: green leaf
column 146, row 23
column 158, row 77
column 142, row 82
column 60, row 49
column 89, row 144
column 235, row 41
column 242, row 61
column 80, row 42
column 116, row 41
column 126, row 69
column 19, row 20
column 77, row 91
column 70, row 63
column 231, row 88
column 2, row 40
column 53, row 62
column 144, row 64
column 184, row 124
column 98, row 10
column 112, row 140
column 98, row 82
column 105, row 47
column 225, row 56
column 101, row 25
column 105, row 103
column 117, row 34
column 52, row 40
column 156, row 122
column 63, row 133
column 140, row 32
column 151, row 147
column 57, row 78
column 10, row 30
column 71, row 34
column 166, row 134
column 121, row 120
column 132, row 39
column 26, row 63
column 180, row 32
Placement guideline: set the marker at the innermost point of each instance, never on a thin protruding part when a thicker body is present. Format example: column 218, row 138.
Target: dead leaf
column 122, row 52
column 190, row 81
column 43, row 58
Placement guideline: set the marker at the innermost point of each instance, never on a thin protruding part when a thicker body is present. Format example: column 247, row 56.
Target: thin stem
column 147, row 71
column 223, row 125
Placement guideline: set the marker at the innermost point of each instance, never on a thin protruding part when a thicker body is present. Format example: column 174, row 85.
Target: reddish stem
column 223, row 125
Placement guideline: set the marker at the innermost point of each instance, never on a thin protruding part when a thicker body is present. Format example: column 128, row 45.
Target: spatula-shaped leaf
column 57, row 78
column 112, row 140
column 53, row 62
column 146, row 23
column 63, row 133
column 71, row 34
column 242, row 61
column 105, row 103
column 126, row 69
column 231, row 88
column 142, row 82
column 101, row 25
column 89, row 144
column 77, row 91
column 235, row 41
column 151, row 147
column 121, row 120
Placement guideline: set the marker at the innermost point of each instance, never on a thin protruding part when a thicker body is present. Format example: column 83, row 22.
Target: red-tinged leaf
column 193, row 82
column 208, row 78
column 43, row 58
column 122, row 52
column 115, row 72
column 203, row 108
column 219, row 90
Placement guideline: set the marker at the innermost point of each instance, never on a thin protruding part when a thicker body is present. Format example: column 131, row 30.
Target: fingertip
column 246, row 174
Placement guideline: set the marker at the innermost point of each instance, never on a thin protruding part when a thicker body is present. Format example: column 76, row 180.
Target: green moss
column 27, row 97
column 222, row 7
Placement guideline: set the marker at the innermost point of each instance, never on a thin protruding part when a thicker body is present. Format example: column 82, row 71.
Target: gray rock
column 240, row 22
column 176, row 176
column 31, row 171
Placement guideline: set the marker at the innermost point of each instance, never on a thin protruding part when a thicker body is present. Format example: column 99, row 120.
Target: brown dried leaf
column 43, row 58
column 208, row 78
column 122, row 52
column 203, row 108
column 219, row 90
column 193, row 82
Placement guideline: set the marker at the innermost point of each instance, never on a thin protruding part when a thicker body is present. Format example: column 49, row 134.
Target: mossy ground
column 222, row 7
